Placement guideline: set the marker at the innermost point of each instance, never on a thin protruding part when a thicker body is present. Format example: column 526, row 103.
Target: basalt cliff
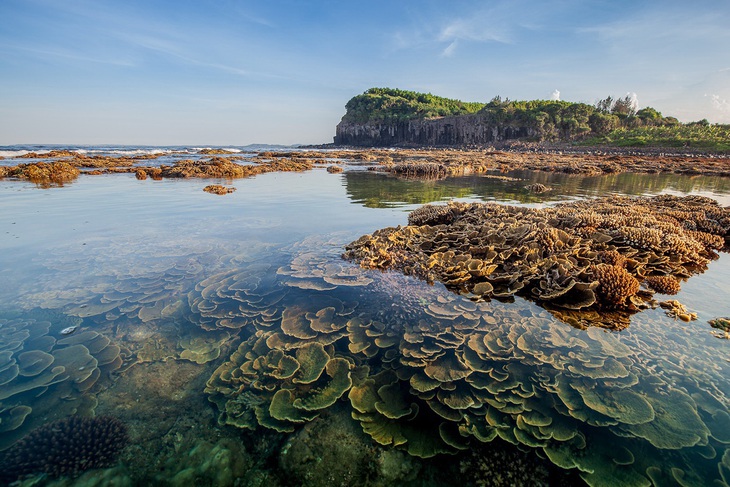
column 471, row 129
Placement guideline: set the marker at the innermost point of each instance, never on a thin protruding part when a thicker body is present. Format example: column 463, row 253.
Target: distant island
column 382, row 117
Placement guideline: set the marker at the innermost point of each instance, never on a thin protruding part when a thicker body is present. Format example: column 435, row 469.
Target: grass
column 714, row 138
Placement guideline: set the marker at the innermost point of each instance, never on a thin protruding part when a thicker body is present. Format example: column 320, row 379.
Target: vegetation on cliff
column 610, row 121
column 393, row 105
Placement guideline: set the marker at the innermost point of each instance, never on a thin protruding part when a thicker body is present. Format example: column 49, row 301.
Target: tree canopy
column 394, row 105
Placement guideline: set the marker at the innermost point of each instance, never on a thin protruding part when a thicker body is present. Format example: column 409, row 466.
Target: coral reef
column 67, row 447
column 330, row 450
column 224, row 167
column 447, row 374
column 419, row 371
column 677, row 310
column 503, row 466
column 537, row 188
column 220, row 464
column 582, row 255
column 46, row 375
column 264, row 384
column 44, row 174
column 723, row 325
column 316, row 264
column 58, row 167
column 216, row 167
column 218, row 189
column 663, row 284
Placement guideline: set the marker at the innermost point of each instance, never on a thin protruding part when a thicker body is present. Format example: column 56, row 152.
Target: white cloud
column 719, row 104
column 555, row 95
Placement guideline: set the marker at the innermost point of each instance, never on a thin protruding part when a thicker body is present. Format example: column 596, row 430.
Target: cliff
column 454, row 130
column 389, row 117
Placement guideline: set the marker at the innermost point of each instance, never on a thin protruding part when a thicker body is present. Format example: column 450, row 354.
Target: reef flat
column 59, row 167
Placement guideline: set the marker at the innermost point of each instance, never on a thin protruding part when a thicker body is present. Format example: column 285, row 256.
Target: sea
column 238, row 348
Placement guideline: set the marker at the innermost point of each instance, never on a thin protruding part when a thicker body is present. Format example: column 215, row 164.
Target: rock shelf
column 57, row 167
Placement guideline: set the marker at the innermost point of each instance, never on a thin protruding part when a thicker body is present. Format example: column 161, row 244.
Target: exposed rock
column 218, row 189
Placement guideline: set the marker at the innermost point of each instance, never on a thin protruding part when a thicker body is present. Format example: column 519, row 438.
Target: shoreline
column 542, row 148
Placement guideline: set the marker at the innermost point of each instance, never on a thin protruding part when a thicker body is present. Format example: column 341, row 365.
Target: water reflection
column 378, row 190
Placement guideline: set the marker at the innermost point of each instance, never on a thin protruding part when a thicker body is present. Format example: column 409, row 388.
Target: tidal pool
column 239, row 349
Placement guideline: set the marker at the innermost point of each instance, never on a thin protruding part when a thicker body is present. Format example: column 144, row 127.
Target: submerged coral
column 46, row 375
column 67, row 447
column 537, row 188
column 263, row 384
column 723, row 325
column 504, row 466
column 447, row 374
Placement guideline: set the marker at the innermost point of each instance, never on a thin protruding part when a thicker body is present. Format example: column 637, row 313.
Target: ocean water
column 238, row 348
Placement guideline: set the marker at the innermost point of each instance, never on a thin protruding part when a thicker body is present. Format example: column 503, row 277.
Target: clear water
column 133, row 261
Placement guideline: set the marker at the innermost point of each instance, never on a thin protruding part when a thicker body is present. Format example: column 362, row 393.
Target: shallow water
column 175, row 280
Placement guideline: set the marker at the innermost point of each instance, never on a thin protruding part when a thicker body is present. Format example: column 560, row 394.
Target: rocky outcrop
column 456, row 130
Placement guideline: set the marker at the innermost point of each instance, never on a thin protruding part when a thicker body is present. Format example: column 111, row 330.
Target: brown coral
column 433, row 215
column 615, row 286
column 663, row 284
column 489, row 250
column 44, row 173
column 218, row 189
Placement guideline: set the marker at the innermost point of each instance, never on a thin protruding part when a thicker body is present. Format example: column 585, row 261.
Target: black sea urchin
column 67, row 447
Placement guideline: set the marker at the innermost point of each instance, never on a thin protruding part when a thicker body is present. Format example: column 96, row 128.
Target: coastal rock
column 456, row 130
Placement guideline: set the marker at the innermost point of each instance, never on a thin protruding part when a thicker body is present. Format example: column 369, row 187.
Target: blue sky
column 225, row 72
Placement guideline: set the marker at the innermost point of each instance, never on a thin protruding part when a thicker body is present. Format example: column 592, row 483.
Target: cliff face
column 457, row 130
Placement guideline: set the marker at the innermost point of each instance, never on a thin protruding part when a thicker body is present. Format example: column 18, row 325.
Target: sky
column 227, row 72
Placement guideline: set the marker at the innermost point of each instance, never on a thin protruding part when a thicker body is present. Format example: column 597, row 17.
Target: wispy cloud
column 126, row 35
column 449, row 51
column 66, row 55
column 479, row 28
column 454, row 27
column 644, row 30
